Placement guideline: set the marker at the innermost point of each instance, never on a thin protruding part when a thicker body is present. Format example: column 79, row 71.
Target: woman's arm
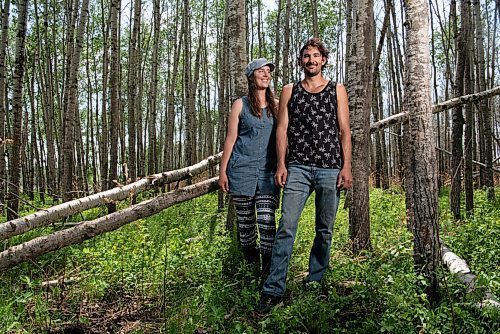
column 232, row 134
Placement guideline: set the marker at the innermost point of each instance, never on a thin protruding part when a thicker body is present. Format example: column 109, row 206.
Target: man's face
column 312, row 61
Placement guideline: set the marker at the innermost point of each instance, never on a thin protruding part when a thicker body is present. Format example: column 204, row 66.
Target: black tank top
column 313, row 130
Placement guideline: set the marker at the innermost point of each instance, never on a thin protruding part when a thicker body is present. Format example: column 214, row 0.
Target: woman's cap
column 256, row 64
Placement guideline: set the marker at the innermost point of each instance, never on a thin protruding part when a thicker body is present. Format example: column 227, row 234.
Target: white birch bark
column 437, row 108
column 89, row 229
column 45, row 217
column 460, row 269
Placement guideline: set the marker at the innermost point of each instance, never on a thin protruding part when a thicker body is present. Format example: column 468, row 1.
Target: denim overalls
column 253, row 161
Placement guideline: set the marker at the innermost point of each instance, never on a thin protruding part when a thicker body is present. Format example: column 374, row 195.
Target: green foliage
column 180, row 271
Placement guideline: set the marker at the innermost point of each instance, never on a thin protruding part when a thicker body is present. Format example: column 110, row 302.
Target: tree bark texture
column 360, row 100
column 17, row 109
column 237, row 49
column 87, row 230
column 50, row 215
column 3, row 74
column 417, row 102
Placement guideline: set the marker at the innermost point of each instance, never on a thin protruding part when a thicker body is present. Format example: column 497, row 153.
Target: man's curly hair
column 314, row 42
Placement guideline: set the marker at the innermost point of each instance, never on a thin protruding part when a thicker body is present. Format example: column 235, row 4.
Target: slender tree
column 132, row 81
column 17, row 108
column 71, row 113
column 458, row 118
column 114, row 102
column 153, row 163
column 3, row 72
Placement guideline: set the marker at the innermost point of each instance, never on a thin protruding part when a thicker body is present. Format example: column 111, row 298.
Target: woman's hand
column 223, row 182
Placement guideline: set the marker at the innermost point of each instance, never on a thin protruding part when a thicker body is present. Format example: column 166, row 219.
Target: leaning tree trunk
column 360, row 97
column 89, row 229
column 422, row 154
column 17, row 108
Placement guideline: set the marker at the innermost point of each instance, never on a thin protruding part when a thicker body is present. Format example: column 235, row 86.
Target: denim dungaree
column 253, row 161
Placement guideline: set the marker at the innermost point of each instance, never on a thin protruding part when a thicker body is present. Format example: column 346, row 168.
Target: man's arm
column 345, row 176
column 281, row 136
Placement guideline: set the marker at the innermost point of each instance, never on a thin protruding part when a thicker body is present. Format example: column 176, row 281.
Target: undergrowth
column 180, row 271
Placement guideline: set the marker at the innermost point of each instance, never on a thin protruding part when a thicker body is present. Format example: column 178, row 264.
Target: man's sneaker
column 267, row 302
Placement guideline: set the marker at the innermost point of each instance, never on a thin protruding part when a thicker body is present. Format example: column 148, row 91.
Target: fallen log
column 437, row 108
column 461, row 270
column 473, row 161
column 52, row 214
column 86, row 230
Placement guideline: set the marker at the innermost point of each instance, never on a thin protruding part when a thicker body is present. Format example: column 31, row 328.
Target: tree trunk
column 71, row 113
column 469, row 126
column 153, row 104
column 104, row 138
column 87, row 230
column 114, row 103
column 381, row 177
column 314, row 15
column 189, row 91
column 237, row 51
column 286, row 43
column 277, row 50
column 3, row 74
column 168, row 161
column 360, row 100
column 52, row 214
column 458, row 119
column 484, row 108
column 17, row 109
column 422, row 154
column 133, row 80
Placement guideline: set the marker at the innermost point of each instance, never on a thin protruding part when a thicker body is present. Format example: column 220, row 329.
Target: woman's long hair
column 272, row 108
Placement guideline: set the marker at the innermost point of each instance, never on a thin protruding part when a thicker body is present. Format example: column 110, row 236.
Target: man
column 313, row 124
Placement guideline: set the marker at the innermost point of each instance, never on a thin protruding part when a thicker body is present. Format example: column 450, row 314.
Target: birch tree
column 17, row 109
column 417, row 102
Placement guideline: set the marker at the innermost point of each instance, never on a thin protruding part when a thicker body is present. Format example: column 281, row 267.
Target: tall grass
column 180, row 271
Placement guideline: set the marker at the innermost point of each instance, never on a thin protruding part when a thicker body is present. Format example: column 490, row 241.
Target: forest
column 113, row 116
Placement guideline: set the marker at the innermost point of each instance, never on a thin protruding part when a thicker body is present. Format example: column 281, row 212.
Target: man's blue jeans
column 302, row 180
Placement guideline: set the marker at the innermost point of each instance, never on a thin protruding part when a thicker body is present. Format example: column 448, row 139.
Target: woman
column 249, row 162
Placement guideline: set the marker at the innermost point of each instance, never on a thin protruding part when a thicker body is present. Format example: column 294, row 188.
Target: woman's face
column 262, row 77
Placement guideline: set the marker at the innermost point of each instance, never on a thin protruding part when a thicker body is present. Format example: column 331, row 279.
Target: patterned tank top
column 313, row 130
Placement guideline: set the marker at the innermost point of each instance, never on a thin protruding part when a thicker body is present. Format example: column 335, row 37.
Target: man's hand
column 345, row 179
column 280, row 176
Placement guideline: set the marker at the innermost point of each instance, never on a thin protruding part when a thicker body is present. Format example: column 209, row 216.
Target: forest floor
column 180, row 271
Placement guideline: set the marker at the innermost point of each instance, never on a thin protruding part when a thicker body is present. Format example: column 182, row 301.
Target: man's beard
column 314, row 73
